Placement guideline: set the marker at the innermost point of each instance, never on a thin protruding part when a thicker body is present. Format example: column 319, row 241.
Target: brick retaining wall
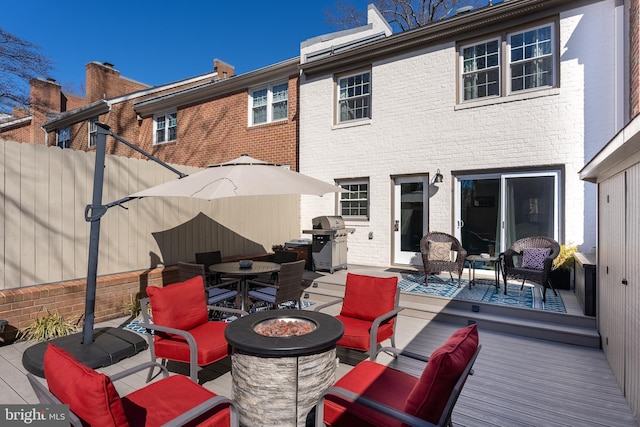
column 21, row 306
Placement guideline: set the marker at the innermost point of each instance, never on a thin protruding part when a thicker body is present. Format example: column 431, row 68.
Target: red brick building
column 197, row 121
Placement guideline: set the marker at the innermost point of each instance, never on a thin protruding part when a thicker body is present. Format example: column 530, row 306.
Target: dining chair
column 179, row 318
column 216, row 293
column 210, row 258
column 373, row 394
column 94, row 401
column 369, row 310
column 286, row 288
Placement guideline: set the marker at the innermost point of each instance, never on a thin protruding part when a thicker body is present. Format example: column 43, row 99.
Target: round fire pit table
column 278, row 379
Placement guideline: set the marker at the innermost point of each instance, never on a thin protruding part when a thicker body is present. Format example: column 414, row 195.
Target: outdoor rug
column 483, row 291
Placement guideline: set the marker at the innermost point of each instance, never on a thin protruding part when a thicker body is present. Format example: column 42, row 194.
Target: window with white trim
column 165, row 127
column 354, row 97
column 481, row 70
column 530, row 64
column 93, row 132
column 64, row 138
column 269, row 104
column 531, row 58
column 355, row 204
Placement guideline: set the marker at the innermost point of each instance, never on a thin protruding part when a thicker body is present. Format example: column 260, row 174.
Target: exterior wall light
column 437, row 179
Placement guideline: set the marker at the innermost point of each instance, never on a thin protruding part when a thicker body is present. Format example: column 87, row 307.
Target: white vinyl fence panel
column 45, row 238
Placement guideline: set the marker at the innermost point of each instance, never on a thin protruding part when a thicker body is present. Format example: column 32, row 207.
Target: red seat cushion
column 368, row 297
column 429, row 397
column 376, row 382
column 356, row 332
column 89, row 394
column 212, row 346
column 181, row 305
column 161, row 401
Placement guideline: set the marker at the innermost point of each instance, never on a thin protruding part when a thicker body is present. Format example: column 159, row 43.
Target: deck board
column 518, row 381
column 525, row 381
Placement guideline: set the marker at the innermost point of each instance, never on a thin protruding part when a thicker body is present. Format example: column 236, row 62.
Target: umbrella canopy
column 244, row 176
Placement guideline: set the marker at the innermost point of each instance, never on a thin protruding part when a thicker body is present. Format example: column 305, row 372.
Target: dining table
column 235, row 269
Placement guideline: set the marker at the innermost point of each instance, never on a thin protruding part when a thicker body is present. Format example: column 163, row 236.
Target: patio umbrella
column 244, row 176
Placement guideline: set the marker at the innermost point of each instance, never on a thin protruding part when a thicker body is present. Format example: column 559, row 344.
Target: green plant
column 132, row 307
column 277, row 248
column 565, row 260
column 49, row 326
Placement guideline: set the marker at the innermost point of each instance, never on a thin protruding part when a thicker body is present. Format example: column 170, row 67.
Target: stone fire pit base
column 280, row 391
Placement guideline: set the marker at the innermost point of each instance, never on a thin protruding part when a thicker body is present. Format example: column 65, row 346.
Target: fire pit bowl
column 278, row 379
column 284, row 327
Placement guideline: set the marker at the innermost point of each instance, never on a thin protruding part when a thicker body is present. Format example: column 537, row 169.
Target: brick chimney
column 102, row 81
column 45, row 96
column 223, row 69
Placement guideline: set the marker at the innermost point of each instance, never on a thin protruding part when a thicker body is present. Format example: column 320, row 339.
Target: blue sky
column 157, row 42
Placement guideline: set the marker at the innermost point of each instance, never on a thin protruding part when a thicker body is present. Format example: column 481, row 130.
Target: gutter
column 78, row 115
column 456, row 27
column 215, row 88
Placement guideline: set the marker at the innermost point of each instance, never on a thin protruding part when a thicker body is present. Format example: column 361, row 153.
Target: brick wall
column 634, row 58
column 21, row 306
column 217, row 130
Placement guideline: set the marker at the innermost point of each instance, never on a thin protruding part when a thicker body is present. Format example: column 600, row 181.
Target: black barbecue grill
column 329, row 242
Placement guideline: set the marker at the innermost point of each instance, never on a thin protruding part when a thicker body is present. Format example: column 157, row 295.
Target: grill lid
column 327, row 223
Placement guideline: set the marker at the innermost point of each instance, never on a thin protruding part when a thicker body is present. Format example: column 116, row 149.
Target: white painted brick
column 417, row 127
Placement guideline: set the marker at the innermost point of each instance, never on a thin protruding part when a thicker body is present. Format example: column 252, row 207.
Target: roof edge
column 215, row 88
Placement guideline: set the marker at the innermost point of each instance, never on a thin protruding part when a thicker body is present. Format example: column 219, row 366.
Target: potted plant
column 563, row 267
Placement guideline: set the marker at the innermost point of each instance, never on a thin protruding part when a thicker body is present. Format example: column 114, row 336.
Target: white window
column 530, row 64
column 356, row 203
column 64, row 138
column 481, row 70
column 531, row 60
column 165, row 127
column 354, row 97
column 269, row 104
column 93, row 132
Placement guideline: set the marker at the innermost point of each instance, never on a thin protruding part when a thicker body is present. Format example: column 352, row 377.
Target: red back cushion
column 181, row 306
column 368, row 297
column 429, row 397
column 89, row 394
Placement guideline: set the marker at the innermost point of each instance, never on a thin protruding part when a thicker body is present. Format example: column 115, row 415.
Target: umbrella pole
column 97, row 210
column 93, row 213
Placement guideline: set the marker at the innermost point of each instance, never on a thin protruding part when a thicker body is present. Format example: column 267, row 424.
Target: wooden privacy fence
column 45, row 238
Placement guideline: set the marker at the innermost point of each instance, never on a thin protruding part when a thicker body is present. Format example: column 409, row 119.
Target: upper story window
column 93, row 132
column 355, row 205
column 530, row 63
column 165, row 127
column 481, row 70
column 354, row 97
column 531, row 58
column 64, row 138
column 269, row 104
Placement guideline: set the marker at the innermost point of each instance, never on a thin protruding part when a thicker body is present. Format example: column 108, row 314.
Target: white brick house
column 509, row 147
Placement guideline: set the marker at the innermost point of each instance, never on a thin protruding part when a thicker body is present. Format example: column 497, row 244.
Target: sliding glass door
column 495, row 210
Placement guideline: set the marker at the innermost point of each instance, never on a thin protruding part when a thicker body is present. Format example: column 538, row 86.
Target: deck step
column 558, row 327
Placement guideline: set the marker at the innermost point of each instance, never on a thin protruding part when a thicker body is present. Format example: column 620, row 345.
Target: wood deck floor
column 518, row 381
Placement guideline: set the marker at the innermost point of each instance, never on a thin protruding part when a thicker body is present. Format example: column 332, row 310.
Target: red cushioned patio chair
column 93, row 400
column 369, row 311
column 372, row 394
column 182, row 331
